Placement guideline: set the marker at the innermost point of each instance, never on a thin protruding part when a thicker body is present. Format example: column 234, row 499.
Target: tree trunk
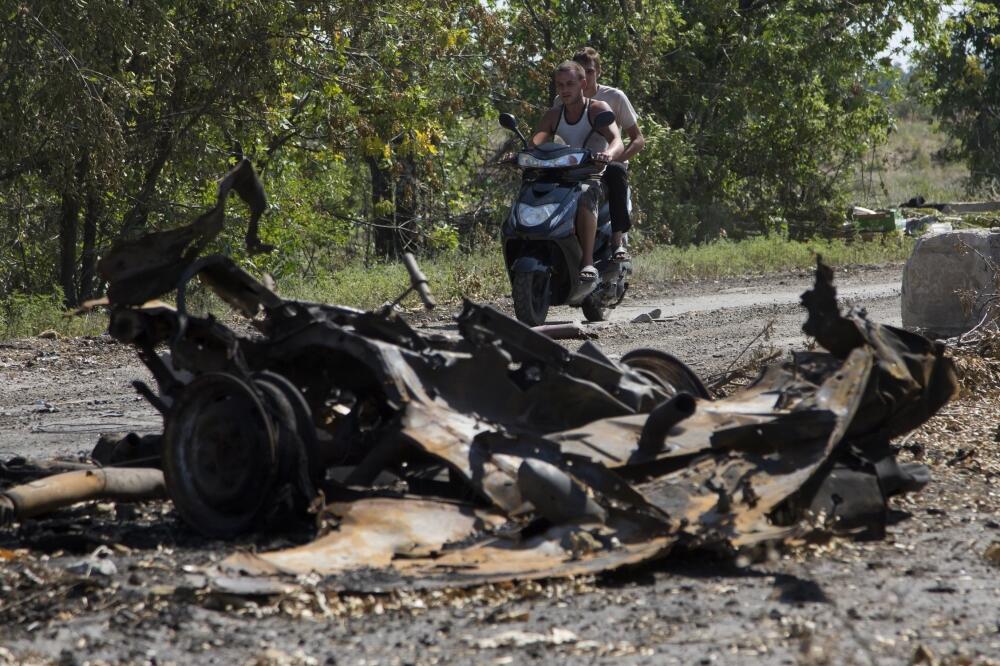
column 139, row 213
column 406, row 207
column 68, row 218
column 385, row 234
column 88, row 255
column 169, row 129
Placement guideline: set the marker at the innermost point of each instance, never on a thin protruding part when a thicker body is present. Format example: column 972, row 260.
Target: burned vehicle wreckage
column 431, row 459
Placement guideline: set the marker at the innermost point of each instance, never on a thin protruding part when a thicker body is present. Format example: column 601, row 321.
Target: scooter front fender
column 529, row 264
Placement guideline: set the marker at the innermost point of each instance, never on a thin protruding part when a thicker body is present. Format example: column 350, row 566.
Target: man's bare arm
column 546, row 128
column 611, row 132
column 636, row 142
column 615, row 146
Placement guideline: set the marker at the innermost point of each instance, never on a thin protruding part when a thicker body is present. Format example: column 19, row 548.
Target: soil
column 927, row 593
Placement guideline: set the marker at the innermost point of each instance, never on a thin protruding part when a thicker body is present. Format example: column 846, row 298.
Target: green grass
column 481, row 277
column 908, row 166
column 23, row 315
column 760, row 256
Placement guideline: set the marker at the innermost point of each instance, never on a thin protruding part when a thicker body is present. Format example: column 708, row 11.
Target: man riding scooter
column 572, row 122
column 616, row 174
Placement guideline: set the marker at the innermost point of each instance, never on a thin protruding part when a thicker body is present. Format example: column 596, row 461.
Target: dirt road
column 709, row 323
column 926, row 589
column 872, row 287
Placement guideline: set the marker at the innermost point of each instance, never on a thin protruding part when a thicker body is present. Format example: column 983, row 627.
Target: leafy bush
column 25, row 315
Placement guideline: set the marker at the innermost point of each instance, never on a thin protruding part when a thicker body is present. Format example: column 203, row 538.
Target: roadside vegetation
column 27, row 315
column 917, row 159
column 480, row 276
column 763, row 256
column 373, row 127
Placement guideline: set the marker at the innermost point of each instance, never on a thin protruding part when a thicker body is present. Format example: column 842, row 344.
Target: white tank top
column 574, row 134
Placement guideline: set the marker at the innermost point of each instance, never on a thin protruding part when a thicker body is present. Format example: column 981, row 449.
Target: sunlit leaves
column 959, row 74
column 753, row 115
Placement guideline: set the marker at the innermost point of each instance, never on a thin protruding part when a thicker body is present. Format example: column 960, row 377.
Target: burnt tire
column 306, row 454
column 220, row 455
column 593, row 310
column 531, row 297
column 668, row 370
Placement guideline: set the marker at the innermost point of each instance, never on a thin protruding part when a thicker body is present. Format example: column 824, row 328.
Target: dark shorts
column 590, row 199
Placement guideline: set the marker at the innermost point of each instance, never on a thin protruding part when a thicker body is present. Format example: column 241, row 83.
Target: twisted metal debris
column 494, row 454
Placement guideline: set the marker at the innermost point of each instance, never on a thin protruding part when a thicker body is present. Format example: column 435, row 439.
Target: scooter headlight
column 532, row 216
column 530, row 161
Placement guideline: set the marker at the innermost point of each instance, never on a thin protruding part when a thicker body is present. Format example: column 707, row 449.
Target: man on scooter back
column 616, row 174
column 572, row 122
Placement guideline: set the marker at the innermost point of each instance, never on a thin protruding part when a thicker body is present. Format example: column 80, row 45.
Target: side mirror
column 508, row 121
column 602, row 120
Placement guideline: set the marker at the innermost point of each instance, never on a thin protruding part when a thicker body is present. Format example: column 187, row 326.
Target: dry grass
column 908, row 165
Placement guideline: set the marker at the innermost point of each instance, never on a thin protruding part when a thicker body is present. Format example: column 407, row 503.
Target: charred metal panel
column 497, row 453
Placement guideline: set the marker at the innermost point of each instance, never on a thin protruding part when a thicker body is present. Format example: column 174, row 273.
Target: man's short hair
column 587, row 56
column 571, row 66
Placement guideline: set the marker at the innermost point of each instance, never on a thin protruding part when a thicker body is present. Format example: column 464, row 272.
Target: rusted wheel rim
column 667, row 370
column 220, row 457
column 296, row 417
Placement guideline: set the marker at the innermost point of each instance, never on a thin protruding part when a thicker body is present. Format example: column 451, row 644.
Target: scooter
column 541, row 250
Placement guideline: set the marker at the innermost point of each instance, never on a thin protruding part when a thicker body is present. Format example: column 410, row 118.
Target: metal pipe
column 62, row 490
column 664, row 417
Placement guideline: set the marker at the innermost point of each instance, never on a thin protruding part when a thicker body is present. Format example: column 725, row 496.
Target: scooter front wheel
column 593, row 309
column 531, row 297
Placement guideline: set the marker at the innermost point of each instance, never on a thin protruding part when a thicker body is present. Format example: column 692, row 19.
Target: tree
column 756, row 109
column 103, row 98
column 958, row 73
column 405, row 75
column 373, row 123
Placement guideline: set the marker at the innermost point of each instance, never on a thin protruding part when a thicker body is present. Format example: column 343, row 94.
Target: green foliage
column 762, row 256
column 959, row 75
column 373, row 124
column 913, row 162
column 658, row 175
column 115, row 115
column 771, row 104
column 26, row 315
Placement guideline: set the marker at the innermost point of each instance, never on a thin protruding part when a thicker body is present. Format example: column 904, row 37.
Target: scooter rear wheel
column 531, row 297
